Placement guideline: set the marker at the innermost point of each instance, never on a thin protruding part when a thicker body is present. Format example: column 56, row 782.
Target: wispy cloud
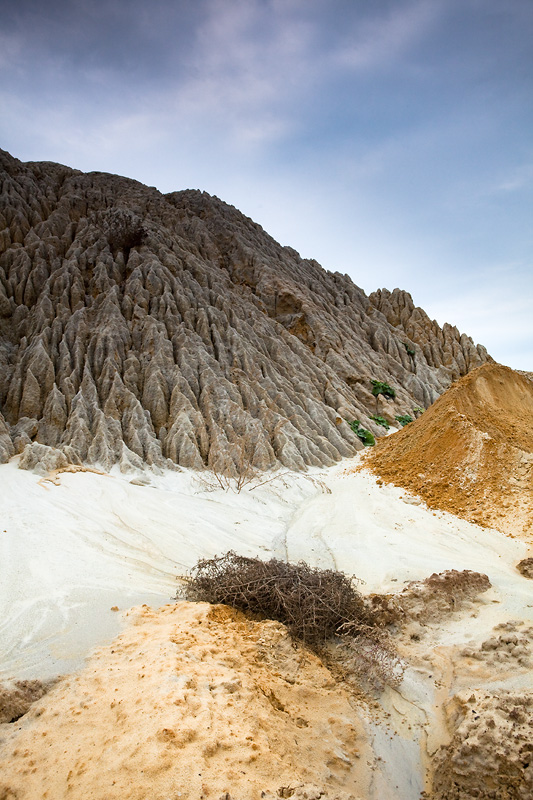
column 519, row 178
column 377, row 41
column 247, row 62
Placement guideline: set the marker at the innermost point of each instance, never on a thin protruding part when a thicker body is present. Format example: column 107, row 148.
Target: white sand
column 70, row 553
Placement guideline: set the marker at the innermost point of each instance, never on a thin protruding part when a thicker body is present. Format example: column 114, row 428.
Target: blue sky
column 391, row 140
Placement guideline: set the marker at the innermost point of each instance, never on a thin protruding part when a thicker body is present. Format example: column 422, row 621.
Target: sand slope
column 69, row 553
column 471, row 452
column 191, row 701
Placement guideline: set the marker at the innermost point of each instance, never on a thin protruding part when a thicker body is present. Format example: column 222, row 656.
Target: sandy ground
column 191, row 701
column 70, row 553
column 174, row 706
column 73, row 550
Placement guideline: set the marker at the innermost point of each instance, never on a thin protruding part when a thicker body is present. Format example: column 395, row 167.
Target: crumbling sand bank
column 490, row 754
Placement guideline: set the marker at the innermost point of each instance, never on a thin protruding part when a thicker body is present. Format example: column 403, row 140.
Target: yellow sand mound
column 471, row 452
column 192, row 701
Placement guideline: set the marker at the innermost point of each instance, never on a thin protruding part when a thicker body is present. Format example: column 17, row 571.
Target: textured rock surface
column 142, row 328
column 490, row 754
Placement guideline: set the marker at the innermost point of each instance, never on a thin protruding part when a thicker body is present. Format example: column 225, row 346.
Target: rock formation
column 471, row 453
column 140, row 328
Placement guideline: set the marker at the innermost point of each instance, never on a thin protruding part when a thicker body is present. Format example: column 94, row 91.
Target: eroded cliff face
column 138, row 328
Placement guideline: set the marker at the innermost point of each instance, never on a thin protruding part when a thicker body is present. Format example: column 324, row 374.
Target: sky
column 390, row 140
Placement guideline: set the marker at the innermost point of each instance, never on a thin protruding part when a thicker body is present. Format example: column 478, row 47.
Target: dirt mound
column 489, row 756
column 525, row 567
column 191, row 701
column 471, row 453
column 15, row 700
column 431, row 600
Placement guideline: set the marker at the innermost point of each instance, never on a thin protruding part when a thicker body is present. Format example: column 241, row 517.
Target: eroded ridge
column 141, row 328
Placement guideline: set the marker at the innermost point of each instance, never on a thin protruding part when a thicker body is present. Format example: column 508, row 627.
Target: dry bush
column 16, row 700
column 322, row 608
column 370, row 660
column 235, row 466
column 220, row 477
column 314, row 604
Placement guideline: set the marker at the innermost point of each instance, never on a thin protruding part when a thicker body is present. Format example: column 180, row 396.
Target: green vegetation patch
column 381, row 421
column 379, row 387
column 365, row 435
column 404, row 419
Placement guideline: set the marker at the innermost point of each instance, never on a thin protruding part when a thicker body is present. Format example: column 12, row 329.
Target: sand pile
column 191, row 701
column 471, row 452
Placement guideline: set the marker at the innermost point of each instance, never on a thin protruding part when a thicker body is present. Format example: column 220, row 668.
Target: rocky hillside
column 137, row 327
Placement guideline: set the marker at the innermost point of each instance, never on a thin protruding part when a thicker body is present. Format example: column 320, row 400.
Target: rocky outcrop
column 138, row 328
